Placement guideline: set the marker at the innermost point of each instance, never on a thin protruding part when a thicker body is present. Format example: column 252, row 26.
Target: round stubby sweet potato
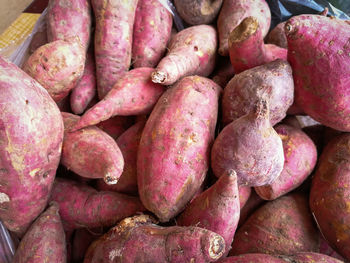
column 31, row 134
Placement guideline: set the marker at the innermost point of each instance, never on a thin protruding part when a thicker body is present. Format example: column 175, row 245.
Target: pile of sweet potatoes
column 124, row 140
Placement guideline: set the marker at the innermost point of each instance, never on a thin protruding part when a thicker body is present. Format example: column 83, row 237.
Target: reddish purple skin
column 295, row 109
column 173, row 156
column 309, row 257
column 44, row 241
column 274, row 80
column 216, row 209
column 128, row 143
column 145, row 242
column 84, row 92
column 326, row 249
column 81, row 242
column 251, row 205
column 152, row 30
column 90, row 152
column 113, row 41
column 133, row 94
column 66, row 19
column 116, row 126
column 252, row 258
column 233, row 12
column 81, row 206
column 300, row 155
column 277, row 36
column 329, row 194
column 192, row 51
column 31, row 134
column 319, row 53
column 284, row 226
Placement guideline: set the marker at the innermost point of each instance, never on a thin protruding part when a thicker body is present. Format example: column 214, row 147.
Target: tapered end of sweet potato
column 246, row 28
column 159, row 77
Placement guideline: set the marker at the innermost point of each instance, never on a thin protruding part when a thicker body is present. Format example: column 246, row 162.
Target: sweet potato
column 192, row 51
column 39, row 39
column 133, row 94
column 216, row 209
column 67, row 19
column 81, row 206
column 113, row 40
column 198, row 12
column 277, row 36
column 251, row 147
column 31, row 134
column 174, row 150
column 273, row 80
column 319, row 50
column 247, row 49
column 57, row 66
column 252, row 204
column 329, row 194
column 253, row 258
column 234, row 11
column 152, row 30
column 85, row 90
column 90, row 152
column 310, row 257
column 81, row 242
column 283, row 226
column 115, row 126
column 300, row 155
column 128, row 143
column 136, row 239
column 44, row 241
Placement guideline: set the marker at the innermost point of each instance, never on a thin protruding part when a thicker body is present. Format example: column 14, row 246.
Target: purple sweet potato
column 234, row 11
column 247, row 49
column 90, row 152
column 57, row 66
column 192, row 51
column 152, row 30
column 113, row 40
column 31, row 134
column 300, row 155
column 216, row 209
column 174, row 150
column 310, row 257
column 81, row 206
column 44, row 241
column 283, row 226
column 273, row 80
column 198, row 12
column 329, row 194
column 67, row 19
column 251, row 147
column 128, row 143
column 253, row 258
column 319, row 49
column 82, row 240
column 277, row 36
column 85, row 90
column 133, row 94
column 137, row 239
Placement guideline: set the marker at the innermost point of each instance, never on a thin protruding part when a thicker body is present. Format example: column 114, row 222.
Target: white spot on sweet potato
column 32, row 173
column 4, row 198
column 114, row 253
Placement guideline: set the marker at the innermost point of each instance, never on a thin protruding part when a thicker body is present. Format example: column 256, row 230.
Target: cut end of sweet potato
column 246, row 28
column 217, row 247
column 159, row 77
column 110, row 180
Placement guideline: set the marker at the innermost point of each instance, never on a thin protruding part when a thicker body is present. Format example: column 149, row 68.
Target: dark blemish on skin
column 27, row 101
column 46, row 174
column 195, row 48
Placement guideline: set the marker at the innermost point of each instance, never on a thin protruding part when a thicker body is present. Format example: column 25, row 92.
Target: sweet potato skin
column 31, row 134
column 44, row 241
column 192, row 51
column 274, row 79
column 82, row 240
column 329, row 194
column 310, row 257
column 113, row 40
column 81, row 206
column 175, row 144
column 254, row 257
column 152, row 30
column 116, row 126
column 300, row 155
column 57, row 66
column 319, row 44
column 66, row 19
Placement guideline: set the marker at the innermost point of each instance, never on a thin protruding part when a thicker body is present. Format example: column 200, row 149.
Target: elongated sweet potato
column 66, row 19
column 234, row 11
column 113, row 40
column 44, row 240
column 136, row 239
column 319, row 50
column 192, row 51
column 81, row 206
column 216, row 209
column 152, row 30
column 90, row 152
column 31, row 134
column 174, row 150
column 133, row 94
column 57, row 66
column 247, row 49
column 273, row 80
